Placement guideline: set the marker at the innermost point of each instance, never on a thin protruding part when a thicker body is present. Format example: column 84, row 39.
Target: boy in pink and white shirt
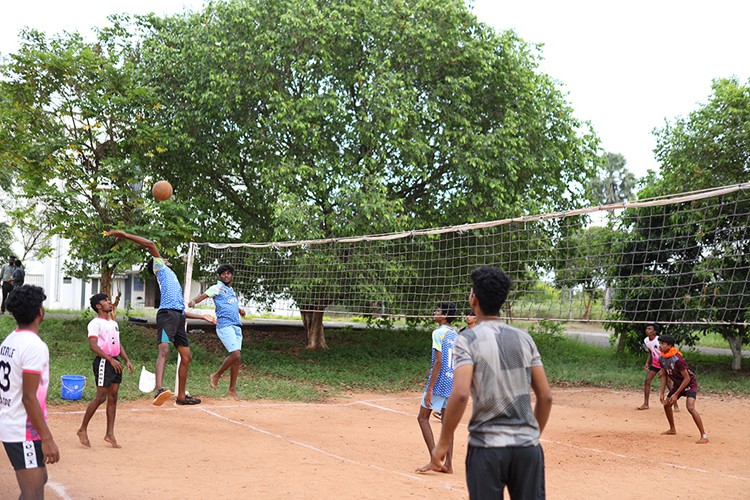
column 652, row 366
column 104, row 341
column 24, row 379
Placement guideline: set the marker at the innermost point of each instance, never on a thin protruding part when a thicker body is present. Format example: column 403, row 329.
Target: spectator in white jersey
column 104, row 341
column 24, row 380
column 498, row 366
column 170, row 322
column 228, row 327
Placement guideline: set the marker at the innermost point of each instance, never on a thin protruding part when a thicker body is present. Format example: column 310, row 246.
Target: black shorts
column 104, row 373
column 25, row 455
column 521, row 469
column 653, row 368
column 170, row 327
column 685, row 393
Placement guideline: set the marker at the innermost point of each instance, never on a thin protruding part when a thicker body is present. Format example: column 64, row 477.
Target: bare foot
column 430, row 467
column 83, row 437
column 676, row 408
column 642, row 407
column 233, row 393
column 670, row 432
column 702, row 440
column 111, row 440
column 214, row 381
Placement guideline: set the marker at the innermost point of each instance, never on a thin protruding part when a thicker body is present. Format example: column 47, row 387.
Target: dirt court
column 596, row 446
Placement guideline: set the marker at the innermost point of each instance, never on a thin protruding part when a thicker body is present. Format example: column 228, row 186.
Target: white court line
column 323, row 452
column 667, row 464
column 59, row 489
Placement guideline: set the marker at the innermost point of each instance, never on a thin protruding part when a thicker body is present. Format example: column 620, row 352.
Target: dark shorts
column 104, row 373
column 170, row 327
column 684, row 394
column 25, row 455
column 521, row 469
column 654, row 369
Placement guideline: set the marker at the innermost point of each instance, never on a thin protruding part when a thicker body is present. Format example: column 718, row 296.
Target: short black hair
column 491, row 287
column 667, row 339
column 18, row 263
column 449, row 309
column 95, row 299
column 655, row 326
column 224, row 268
column 24, row 303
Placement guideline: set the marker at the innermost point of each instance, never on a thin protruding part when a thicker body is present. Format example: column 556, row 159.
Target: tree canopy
column 690, row 261
column 76, row 139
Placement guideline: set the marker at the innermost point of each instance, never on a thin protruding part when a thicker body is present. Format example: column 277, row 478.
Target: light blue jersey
column 169, row 285
column 227, row 307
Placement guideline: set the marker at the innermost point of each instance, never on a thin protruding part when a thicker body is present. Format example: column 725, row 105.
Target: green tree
column 311, row 119
column 76, row 140
column 689, row 263
column 585, row 261
column 614, row 183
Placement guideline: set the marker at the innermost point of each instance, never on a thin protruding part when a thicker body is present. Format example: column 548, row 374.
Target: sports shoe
column 438, row 415
column 189, row 400
column 161, row 396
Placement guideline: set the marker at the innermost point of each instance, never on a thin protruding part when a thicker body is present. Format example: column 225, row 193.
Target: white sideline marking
column 667, row 464
column 322, row 452
column 59, row 489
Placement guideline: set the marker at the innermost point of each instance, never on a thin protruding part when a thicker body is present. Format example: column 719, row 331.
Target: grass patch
column 275, row 365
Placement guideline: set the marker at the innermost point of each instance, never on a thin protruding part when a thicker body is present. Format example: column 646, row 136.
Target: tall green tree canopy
column 614, row 183
column 303, row 119
column 75, row 136
column 691, row 261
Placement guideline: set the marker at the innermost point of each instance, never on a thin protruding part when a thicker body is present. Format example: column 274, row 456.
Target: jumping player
column 440, row 379
column 673, row 365
column 24, row 379
column 229, row 326
column 170, row 322
column 104, row 341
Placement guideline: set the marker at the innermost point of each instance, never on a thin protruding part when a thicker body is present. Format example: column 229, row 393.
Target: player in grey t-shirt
column 498, row 366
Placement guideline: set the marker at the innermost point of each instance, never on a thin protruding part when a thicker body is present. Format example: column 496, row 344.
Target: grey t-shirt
column 501, row 385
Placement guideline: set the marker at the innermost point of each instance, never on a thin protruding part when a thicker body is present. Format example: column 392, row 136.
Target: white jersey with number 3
column 21, row 352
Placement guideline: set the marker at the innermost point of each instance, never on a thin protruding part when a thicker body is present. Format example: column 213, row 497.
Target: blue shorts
column 438, row 402
column 231, row 337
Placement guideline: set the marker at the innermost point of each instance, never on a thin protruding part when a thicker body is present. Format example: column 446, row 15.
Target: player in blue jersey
column 440, row 380
column 170, row 322
column 229, row 326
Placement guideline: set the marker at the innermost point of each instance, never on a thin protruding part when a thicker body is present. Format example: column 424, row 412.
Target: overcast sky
column 625, row 66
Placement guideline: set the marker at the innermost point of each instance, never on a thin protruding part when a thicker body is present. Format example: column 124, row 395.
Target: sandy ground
column 597, row 446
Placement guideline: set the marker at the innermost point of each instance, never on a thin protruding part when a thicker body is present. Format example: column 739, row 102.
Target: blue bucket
column 72, row 386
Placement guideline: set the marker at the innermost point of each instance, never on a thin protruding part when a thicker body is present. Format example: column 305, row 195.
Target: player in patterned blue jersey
column 229, row 326
column 440, row 380
column 170, row 322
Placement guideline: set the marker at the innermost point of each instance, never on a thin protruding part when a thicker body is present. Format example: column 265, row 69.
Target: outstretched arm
column 196, row 300
column 145, row 243
column 205, row 317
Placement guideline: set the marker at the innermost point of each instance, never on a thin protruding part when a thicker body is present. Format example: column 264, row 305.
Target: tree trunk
column 106, row 284
column 313, row 321
column 735, row 344
column 588, row 299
